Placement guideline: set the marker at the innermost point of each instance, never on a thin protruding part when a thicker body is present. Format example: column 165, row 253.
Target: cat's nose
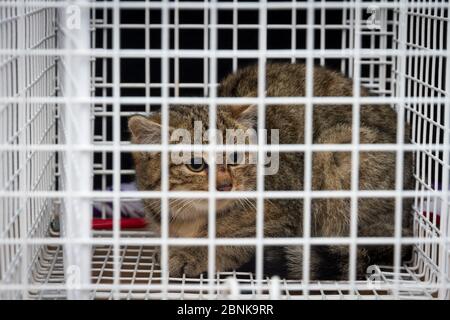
column 223, row 179
column 224, row 186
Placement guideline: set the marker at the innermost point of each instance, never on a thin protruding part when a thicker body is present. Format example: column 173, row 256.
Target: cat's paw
column 185, row 261
column 188, row 261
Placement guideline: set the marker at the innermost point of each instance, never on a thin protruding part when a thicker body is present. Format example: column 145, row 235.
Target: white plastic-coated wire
column 261, row 120
column 116, row 142
column 64, row 101
column 356, row 106
column 212, row 182
column 164, row 154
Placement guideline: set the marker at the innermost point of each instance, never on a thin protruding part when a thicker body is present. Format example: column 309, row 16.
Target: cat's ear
column 246, row 115
column 144, row 130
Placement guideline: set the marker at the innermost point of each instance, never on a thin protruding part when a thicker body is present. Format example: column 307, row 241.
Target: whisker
column 242, row 203
column 186, row 205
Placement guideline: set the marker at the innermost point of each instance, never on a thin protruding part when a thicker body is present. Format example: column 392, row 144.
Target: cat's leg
column 184, row 260
column 279, row 225
column 238, row 224
column 193, row 261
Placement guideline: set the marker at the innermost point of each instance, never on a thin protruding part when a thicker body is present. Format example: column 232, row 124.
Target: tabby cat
column 236, row 218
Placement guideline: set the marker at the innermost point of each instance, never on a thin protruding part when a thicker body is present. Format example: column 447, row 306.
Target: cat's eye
column 234, row 158
column 197, row 164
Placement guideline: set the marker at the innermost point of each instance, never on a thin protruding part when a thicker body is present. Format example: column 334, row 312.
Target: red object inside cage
column 125, row 223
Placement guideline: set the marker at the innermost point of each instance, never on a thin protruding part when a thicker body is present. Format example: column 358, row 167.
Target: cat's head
column 189, row 171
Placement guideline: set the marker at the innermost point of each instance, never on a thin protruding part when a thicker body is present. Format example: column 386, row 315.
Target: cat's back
column 289, row 80
column 285, row 80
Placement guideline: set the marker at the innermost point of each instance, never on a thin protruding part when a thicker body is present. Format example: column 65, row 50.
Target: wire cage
column 73, row 72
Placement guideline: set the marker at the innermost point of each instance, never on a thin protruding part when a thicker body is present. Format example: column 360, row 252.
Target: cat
column 330, row 217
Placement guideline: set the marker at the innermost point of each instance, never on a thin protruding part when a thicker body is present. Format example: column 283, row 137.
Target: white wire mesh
column 49, row 135
column 26, row 123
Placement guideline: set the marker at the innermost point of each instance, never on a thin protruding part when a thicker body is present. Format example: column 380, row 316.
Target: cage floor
column 140, row 278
